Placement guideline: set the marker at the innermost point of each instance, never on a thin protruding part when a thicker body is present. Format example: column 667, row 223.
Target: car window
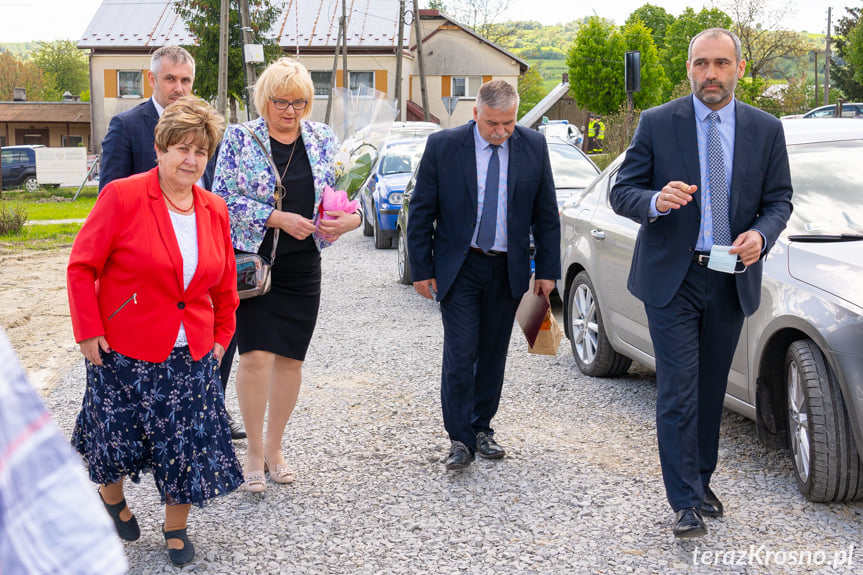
column 6, row 156
column 401, row 158
column 570, row 168
column 826, row 180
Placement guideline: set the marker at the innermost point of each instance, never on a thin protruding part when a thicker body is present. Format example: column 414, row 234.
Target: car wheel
column 590, row 347
column 825, row 457
column 30, row 184
column 404, row 263
column 381, row 241
column 367, row 227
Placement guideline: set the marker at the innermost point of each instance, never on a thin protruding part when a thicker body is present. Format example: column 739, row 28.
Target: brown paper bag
column 548, row 339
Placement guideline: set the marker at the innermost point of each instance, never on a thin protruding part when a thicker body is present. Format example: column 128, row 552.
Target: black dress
column 283, row 320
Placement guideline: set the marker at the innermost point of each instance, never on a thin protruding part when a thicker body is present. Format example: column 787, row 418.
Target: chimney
column 19, row 95
column 68, row 97
column 565, row 78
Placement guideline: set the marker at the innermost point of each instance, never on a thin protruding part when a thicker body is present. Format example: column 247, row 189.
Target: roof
column 151, row 24
column 371, row 24
column 135, row 24
column 73, row 112
column 429, row 13
column 536, row 113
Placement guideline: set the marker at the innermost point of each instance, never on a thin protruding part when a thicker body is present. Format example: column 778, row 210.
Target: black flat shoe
column 712, row 506
column 127, row 530
column 688, row 523
column 459, row 457
column 487, row 447
column 238, row 431
column 180, row 557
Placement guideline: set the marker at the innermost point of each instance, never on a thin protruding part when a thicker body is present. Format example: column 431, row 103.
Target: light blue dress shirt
column 483, row 155
column 726, row 125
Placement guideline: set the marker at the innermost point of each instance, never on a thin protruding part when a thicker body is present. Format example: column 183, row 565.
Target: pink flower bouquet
column 335, row 201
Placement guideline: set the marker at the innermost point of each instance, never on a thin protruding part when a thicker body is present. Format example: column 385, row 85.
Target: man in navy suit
column 128, row 147
column 480, row 190
column 703, row 172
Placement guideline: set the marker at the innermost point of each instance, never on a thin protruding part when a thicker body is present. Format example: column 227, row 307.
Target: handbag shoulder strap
column 277, row 195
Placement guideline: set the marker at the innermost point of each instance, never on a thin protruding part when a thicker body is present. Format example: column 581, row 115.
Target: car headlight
column 395, row 198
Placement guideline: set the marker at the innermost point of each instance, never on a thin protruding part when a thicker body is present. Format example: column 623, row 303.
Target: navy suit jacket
column 127, row 148
column 443, row 209
column 665, row 148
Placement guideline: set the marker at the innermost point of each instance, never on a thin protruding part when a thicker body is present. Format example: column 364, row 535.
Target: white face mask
column 722, row 261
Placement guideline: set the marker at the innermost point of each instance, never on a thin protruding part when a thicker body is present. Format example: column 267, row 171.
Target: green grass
column 43, row 237
column 61, row 210
column 39, row 206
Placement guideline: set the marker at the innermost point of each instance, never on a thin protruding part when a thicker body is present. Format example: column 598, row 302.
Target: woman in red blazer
column 152, row 291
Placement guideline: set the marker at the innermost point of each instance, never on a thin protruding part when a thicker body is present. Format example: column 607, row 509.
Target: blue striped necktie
column 718, row 185
column 488, row 220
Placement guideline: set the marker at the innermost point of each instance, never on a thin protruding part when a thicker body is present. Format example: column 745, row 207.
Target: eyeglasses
column 297, row 105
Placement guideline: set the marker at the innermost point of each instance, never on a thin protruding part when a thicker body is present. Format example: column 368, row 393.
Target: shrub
column 12, row 219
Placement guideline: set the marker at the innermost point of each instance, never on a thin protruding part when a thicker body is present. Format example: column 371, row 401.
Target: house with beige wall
column 124, row 33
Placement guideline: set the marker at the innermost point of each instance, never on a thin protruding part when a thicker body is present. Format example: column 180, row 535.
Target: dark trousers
column 478, row 313
column 694, row 338
column 227, row 362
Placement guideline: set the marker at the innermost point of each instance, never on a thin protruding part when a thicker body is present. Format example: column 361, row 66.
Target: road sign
column 449, row 102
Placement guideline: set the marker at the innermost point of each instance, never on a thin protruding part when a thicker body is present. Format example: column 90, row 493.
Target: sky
column 32, row 20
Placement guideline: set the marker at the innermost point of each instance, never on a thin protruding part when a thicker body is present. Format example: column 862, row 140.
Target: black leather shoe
column 236, row 427
column 712, row 506
column 688, row 523
column 487, row 447
column 459, row 457
column 127, row 530
column 185, row 554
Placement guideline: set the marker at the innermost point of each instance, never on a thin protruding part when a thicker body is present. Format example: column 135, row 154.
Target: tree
column 15, row 73
column 202, row 18
column 678, row 36
column 758, row 24
column 593, row 62
column 530, row 90
column 595, row 65
column 64, row 64
column 654, row 84
column 484, row 17
column 845, row 66
column 657, row 21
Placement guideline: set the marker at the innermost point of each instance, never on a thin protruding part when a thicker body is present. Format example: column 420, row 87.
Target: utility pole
column 222, row 86
column 345, row 46
column 815, row 53
column 251, row 73
column 827, row 62
column 418, row 32
column 398, row 89
column 335, row 71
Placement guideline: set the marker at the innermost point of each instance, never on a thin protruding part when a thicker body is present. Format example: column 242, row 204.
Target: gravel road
column 579, row 492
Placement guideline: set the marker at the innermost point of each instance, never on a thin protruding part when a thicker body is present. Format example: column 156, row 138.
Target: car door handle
column 597, row 234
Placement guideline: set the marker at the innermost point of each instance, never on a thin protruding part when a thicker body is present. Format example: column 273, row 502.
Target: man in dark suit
column 703, row 172
column 480, row 190
column 128, row 147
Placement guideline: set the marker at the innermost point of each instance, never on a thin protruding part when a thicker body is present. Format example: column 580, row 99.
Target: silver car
column 798, row 367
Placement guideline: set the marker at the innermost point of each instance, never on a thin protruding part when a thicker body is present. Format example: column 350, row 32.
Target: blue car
column 382, row 192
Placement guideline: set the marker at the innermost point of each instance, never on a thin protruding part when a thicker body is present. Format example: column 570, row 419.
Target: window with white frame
column 130, row 84
column 322, row 79
column 465, row 86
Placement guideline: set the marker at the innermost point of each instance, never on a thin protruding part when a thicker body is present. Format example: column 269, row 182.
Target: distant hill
column 21, row 50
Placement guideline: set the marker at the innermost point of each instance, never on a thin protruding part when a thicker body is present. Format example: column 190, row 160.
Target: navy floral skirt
column 168, row 418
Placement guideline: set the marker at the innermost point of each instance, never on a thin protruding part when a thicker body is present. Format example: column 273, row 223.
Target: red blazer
column 125, row 274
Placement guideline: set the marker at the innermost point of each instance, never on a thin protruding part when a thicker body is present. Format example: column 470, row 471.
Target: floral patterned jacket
column 246, row 182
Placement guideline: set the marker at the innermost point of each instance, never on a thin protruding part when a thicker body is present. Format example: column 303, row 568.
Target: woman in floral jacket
column 274, row 330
